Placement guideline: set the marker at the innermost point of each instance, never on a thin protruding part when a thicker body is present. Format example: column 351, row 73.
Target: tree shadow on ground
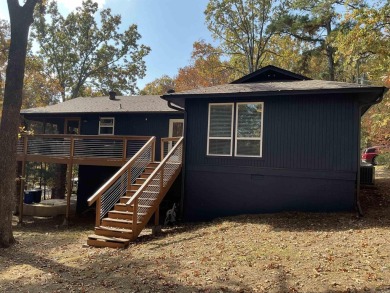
column 375, row 203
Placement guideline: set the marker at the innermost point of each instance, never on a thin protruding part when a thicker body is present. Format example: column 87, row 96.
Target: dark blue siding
column 134, row 124
column 309, row 160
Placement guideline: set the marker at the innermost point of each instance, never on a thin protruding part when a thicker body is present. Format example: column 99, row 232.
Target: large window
column 220, row 132
column 248, row 130
column 106, row 125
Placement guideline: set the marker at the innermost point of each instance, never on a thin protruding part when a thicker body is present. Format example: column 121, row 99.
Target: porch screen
column 220, row 131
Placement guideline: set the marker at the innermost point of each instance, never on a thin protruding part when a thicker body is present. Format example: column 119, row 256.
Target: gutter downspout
column 183, row 172
column 377, row 101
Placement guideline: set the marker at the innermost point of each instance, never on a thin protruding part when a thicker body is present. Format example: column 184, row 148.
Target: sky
column 168, row 27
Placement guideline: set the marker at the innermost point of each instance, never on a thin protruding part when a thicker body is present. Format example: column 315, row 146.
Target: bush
column 384, row 159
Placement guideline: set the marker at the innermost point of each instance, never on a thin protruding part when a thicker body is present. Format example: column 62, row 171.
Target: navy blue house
column 272, row 141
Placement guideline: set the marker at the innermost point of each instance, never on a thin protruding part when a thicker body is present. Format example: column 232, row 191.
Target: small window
column 249, row 117
column 220, row 131
column 106, row 125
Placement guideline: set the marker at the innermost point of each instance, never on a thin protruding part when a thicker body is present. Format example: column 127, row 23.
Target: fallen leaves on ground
column 289, row 252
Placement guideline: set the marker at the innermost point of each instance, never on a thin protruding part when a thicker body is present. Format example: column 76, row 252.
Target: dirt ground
column 290, row 252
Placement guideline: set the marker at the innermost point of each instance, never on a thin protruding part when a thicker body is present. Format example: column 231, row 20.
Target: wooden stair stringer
column 115, row 236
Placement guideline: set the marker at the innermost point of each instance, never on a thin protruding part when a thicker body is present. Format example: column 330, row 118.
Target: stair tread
column 115, row 229
column 124, row 221
column 125, row 212
column 140, row 205
column 105, row 238
column 147, row 191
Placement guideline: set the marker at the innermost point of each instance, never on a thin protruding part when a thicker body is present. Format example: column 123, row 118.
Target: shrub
column 384, row 159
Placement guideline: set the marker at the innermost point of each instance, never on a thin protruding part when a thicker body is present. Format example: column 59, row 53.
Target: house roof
column 258, row 89
column 121, row 104
column 270, row 73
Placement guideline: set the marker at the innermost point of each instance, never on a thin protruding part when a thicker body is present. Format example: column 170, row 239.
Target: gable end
column 270, row 74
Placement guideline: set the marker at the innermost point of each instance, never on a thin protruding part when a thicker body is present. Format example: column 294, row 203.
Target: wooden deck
column 97, row 150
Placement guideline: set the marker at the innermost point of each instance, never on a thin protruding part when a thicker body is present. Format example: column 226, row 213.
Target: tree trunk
column 21, row 18
column 58, row 190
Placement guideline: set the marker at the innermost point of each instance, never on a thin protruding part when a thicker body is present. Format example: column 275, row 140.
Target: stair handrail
column 153, row 174
column 160, row 169
column 120, row 172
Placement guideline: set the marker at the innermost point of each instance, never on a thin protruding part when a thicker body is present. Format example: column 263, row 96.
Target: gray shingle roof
column 124, row 104
column 277, row 88
column 302, row 85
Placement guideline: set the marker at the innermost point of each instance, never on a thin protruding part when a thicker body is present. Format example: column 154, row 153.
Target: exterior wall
column 91, row 178
column 133, row 124
column 309, row 162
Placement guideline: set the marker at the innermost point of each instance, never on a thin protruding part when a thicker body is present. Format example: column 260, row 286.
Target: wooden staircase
column 132, row 211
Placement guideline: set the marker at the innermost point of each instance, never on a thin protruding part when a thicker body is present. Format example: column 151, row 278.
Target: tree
column 5, row 39
column 206, row 68
column 83, row 52
column 40, row 89
column 21, row 17
column 363, row 50
column 315, row 22
column 243, row 28
column 159, row 86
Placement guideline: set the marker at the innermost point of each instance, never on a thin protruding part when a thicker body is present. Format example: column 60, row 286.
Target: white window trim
column 249, row 138
column 103, row 125
column 231, row 131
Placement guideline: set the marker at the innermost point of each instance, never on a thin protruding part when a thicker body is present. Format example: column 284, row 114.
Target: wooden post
column 157, row 216
column 124, row 153
column 162, row 149
column 69, row 181
column 128, row 187
column 153, row 149
column 21, row 198
column 98, row 208
column 69, row 192
column 156, row 228
column 135, row 218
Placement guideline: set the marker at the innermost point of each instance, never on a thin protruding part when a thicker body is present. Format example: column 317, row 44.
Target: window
column 220, row 131
column 248, row 130
column 106, row 125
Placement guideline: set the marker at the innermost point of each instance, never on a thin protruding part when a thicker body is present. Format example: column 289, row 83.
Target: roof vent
column 170, row 91
column 112, row 95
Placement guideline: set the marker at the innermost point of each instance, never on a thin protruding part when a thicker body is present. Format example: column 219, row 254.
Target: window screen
column 220, row 132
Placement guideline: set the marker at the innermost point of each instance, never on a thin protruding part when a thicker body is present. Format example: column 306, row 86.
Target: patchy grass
column 290, row 252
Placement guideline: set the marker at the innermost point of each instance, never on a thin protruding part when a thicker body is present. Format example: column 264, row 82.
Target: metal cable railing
column 80, row 147
column 150, row 193
column 108, row 195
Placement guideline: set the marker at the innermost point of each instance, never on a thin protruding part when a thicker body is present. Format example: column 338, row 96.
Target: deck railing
column 109, row 194
column 79, row 147
column 151, row 191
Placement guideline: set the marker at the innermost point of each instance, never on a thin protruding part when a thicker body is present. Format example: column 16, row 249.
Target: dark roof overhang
column 364, row 94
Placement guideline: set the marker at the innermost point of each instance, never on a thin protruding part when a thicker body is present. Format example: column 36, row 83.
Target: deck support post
column 156, row 229
column 69, row 181
column 21, row 195
column 69, row 193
